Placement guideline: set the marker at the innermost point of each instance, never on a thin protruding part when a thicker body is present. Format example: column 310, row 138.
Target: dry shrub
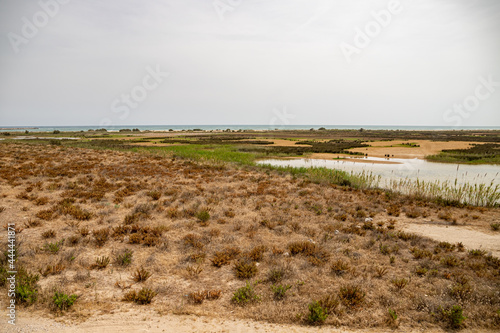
column 52, row 269
column 244, row 269
column 315, row 254
column 224, row 257
column 393, row 210
column 141, row 275
column 101, row 263
column 51, row 233
column 144, row 296
column 352, row 296
column 257, row 253
column 340, row 267
column 197, row 297
column 101, row 236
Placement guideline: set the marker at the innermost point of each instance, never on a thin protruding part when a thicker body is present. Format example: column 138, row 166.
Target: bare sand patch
column 141, row 320
column 472, row 239
column 427, row 147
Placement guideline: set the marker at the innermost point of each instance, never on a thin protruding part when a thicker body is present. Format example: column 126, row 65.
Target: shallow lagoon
column 405, row 168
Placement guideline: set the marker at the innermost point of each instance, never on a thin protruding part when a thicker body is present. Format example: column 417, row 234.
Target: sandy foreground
column 147, row 321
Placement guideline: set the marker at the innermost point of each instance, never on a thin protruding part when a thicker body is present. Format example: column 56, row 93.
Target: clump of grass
column 52, row 269
column 393, row 210
column 220, row 259
column 51, row 233
column 276, row 274
column 279, row 291
column 84, row 231
column 203, row 216
column 144, row 296
column 495, row 226
column 477, row 253
column 413, row 213
column 399, row 283
column 340, row 267
column 421, row 271
column 33, row 223
column 257, row 253
column 445, row 246
column 315, row 254
column 124, row 258
column 381, row 271
column 27, row 286
column 101, row 236
column 62, row 301
column 245, row 295
column 352, row 296
column 194, row 270
column 194, row 241
column 224, row 257
column 392, row 317
column 197, row 297
column 450, row 261
column 244, row 269
column 155, row 195
column 53, row 248
column 420, row 253
column 141, row 275
column 101, row 262
column 453, row 316
column 317, row 314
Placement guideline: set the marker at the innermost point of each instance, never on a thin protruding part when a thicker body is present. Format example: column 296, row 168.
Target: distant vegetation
column 487, row 153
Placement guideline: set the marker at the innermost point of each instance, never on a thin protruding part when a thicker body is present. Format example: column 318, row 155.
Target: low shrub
column 352, row 296
column 141, row 275
column 317, row 314
column 62, row 301
column 245, row 269
column 245, row 295
column 453, row 316
column 124, row 258
column 144, row 296
column 279, row 291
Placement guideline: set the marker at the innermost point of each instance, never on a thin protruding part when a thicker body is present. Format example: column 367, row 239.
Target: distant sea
column 237, row 127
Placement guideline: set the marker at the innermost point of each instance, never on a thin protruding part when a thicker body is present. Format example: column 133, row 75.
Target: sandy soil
column 381, row 148
column 148, row 321
column 471, row 238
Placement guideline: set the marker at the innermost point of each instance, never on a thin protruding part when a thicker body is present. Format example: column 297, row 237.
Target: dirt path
column 146, row 321
column 472, row 239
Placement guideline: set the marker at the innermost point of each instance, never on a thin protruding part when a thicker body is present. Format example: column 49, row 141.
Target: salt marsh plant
column 451, row 193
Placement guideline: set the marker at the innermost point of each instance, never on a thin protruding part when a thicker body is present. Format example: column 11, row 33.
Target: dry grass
column 188, row 233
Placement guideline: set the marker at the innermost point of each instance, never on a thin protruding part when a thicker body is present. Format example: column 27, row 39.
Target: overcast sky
column 122, row 62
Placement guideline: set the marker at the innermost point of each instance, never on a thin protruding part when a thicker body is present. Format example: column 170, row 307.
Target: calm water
column 407, row 168
column 236, row 127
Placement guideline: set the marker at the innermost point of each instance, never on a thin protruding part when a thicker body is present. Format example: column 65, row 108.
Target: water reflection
column 403, row 168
